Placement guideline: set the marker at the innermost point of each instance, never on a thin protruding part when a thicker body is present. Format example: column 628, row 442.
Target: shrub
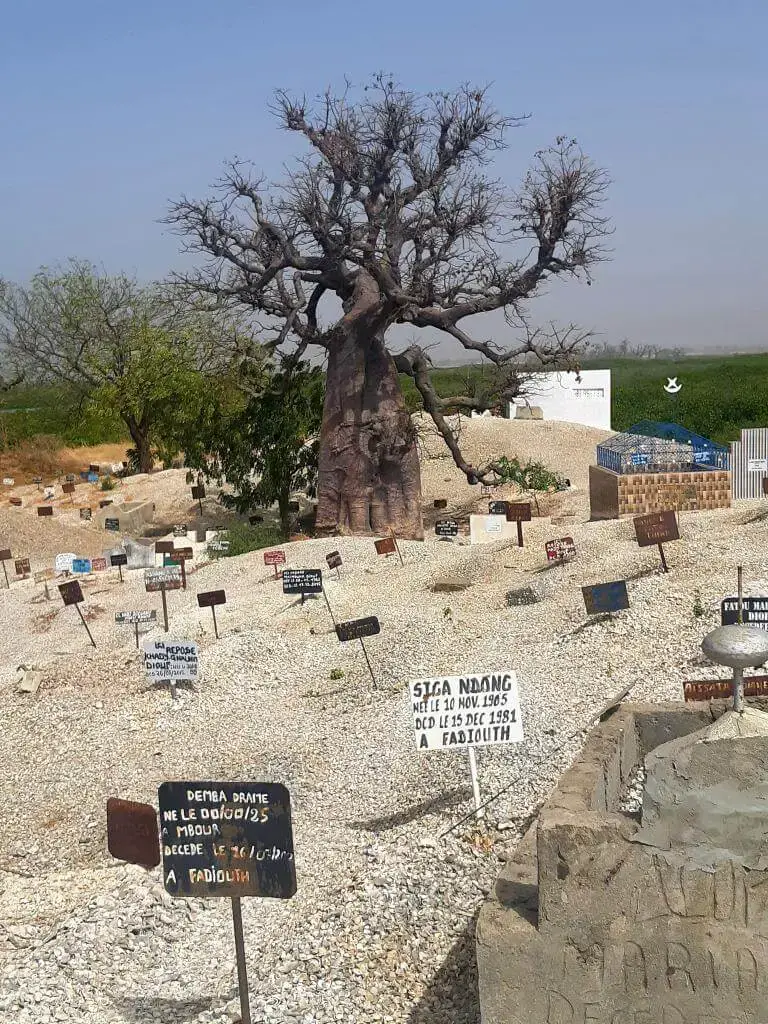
column 245, row 537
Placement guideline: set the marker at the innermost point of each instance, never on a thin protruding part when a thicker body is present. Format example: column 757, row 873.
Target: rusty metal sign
column 68, row 488
column 5, row 555
column 132, row 832
column 656, row 528
column 198, row 493
column 518, row 511
column 356, row 629
column 209, row 598
column 22, row 566
column 765, row 485
column 163, row 547
column 227, row 839
column 606, row 597
column 71, row 592
column 98, row 564
column 386, row 546
column 333, row 559
column 178, row 555
column 274, row 558
column 45, row 510
column 440, row 503
column 714, row 689
column 560, row 550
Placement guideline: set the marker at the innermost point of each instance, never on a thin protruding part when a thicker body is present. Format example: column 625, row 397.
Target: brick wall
column 614, row 494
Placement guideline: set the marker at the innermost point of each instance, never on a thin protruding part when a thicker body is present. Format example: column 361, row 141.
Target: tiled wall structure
column 613, row 494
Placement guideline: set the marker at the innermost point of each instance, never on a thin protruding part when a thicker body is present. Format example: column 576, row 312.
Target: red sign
column 132, row 833
column 561, row 549
column 98, row 564
column 713, row 689
column 386, row 546
column 274, row 557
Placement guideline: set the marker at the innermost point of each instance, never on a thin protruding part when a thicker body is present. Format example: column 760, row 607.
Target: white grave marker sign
column 168, row 660
column 63, row 562
column 456, row 712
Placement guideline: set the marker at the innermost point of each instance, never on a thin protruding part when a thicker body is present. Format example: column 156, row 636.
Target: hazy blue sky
column 110, row 110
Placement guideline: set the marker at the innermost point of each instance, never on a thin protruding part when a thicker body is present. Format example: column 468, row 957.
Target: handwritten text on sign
column 171, row 659
column 227, row 839
column 466, row 711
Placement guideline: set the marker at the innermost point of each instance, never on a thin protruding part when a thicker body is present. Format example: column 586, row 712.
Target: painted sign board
column 162, row 547
column 118, row 559
column 5, row 555
column 757, row 465
column 198, row 493
column 112, row 524
column 45, row 510
column 209, row 598
column 656, row 528
column 22, row 567
column 754, row 611
column 385, row 546
column 356, row 629
column 123, row 618
column 606, row 597
column 518, row 511
column 446, row 528
column 227, row 839
column 333, row 559
column 721, row 689
column 456, row 712
column 274, row 558
column 220, row 545
column 440, row 503
column 71, row 592
column 63, row 562
column 81, row 565
column 98, row 564
column 180, row 530
column 166, row 660
column 162, row 579
column 560, row 550
column 68, row 488
column 92, row 478
column 497, row 508
column 302, row 581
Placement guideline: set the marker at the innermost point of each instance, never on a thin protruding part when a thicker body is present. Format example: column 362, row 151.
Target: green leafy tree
column 533, row 478
column 267, row 448
column 128, row 351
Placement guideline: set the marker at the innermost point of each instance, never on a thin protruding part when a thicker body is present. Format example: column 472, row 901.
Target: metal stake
column 82, row 618
column 120, row 570
column 242, row 974
column 136, row 624
column 663, row 559
column 174, row 691
column 740, row 619
column 368, row 663
column 7, row 583
column 215, row 627
column 519, row 533
column 397, row 547
column 330, row 610
column 475, row 782
column 165, row 608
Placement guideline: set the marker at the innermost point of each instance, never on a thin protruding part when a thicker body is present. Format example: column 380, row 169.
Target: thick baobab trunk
column 140, row 438
column 368, row 473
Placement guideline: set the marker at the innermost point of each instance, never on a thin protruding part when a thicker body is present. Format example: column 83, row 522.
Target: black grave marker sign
column 227, row 839
column 356, row 629
column 333, row 559
column 302, row 581
column 754, row 611
column 446, row 528
column 113, row 525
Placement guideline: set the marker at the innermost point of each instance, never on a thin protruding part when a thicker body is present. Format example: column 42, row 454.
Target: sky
column 110, row 111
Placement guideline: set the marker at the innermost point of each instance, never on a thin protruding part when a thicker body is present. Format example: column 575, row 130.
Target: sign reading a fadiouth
column 466, row 711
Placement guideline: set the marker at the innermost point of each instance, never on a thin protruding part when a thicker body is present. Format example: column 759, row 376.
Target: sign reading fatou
column 456, row 712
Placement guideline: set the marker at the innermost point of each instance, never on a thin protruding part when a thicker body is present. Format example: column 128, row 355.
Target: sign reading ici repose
column 466, row 711
column 169, row 660
column 227, row 839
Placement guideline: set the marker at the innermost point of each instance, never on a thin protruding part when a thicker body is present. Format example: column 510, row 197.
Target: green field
column 719, row 396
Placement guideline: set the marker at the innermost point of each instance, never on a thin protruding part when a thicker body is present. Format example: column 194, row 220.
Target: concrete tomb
column 599, row 918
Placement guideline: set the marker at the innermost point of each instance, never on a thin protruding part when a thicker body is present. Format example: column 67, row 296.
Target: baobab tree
column 391, row 215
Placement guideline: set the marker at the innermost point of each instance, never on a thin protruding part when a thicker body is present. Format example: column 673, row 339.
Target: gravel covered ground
column 381, row 928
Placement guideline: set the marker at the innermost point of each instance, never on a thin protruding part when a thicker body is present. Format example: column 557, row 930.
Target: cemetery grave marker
column 69, row 478
column 519, row 512
column 81, row 565
column 167, row 578
column 561, row 550
column 180, row 530
column 6, row 556
column 98, row 564
column 388, row 546
column 106, row 502
column 179, row 556
column 293, row 506
column 171, row 661
column 132, row 833
column 92, row 478
column 356, row 629
column 754, row 611
column 440, row 503
column 198, row 493
column 8, row 481
column 63, row 562
column 120, row 559
column 485, row 490
column 463, row 712
column 657, row 528
column 18, row 502
column 113, row 525
column 69, row 489
column 42, row 577
column 254, row 519
column 45, row 510
column 274, row 558
column 22, row 567
column 163, row 547
column 446, row 528
column 71, row 593
column 497, row 508
column 93, row 468
column 334, row 562
column 134, row 618
column 606, row 597
column 86, row 513
column 219, row 545
column 209, row 599
column 303, row 581
column 37, row 480
column 721, row 689
column 249, row 854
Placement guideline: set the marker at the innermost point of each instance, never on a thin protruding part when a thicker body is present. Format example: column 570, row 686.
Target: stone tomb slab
column 588, row 924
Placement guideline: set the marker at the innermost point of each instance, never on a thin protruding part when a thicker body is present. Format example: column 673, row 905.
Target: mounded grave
column 598, row 918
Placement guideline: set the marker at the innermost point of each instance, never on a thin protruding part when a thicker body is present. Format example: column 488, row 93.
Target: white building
column 574, row 398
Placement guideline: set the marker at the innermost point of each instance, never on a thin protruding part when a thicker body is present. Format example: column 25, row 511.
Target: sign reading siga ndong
column 227, row 839
column 466, row 711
